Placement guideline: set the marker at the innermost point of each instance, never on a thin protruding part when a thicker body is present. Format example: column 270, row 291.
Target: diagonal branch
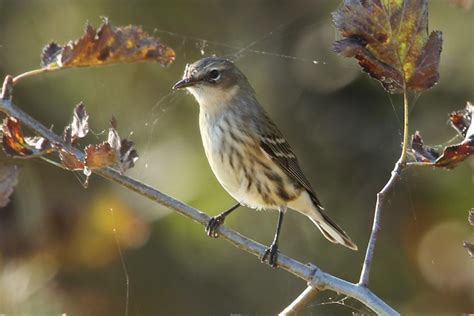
column 315, row 277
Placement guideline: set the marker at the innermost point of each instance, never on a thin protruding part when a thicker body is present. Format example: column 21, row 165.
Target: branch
column 300, row 302
column 316, row 278
column 397, row 169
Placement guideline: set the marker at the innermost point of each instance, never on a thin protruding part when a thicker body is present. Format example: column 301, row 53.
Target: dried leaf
column 124, row 149
column 79, row 126
column 422, row 153
column 455, row 154
column 461, row 120
column 70, row 161
column 16, row 145
column 451, row 155
column 390, row 40
column 100, row 156
column 470, row 248
column 128, row 155
column 108, row 45
column 113, row 152
column 8, row 180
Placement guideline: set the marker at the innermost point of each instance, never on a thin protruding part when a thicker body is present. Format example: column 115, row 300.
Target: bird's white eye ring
column 214, row 75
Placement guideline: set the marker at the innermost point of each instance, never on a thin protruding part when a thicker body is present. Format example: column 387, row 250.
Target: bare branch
column 364, row 275
column 397, row 169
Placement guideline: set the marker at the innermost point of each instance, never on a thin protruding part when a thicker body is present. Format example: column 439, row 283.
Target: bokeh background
column 60, row 244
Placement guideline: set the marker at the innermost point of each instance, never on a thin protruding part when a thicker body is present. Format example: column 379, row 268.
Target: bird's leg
column 218, row 220
column 272, row 252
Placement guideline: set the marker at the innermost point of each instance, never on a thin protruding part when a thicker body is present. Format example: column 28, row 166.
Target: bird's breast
column 241, row 167
column 217, row 146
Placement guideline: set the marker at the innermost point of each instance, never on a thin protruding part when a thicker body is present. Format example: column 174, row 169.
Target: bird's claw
column 213, row 224
column 271, row 253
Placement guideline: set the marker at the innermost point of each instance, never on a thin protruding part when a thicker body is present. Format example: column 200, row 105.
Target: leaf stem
column 32, row 73
column 406, row 112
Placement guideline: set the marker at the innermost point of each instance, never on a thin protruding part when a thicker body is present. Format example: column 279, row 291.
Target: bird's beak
column 183, row 83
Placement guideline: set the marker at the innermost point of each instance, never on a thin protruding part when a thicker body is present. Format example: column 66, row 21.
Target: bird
column 248, row 154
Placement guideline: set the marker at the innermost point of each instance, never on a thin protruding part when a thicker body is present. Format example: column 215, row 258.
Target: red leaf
column 451, row 155
column 390, row 40
column 16, row 145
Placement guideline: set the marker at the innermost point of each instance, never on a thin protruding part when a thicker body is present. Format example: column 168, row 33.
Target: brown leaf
column 113, row 152
column 421, row 152
column 69, row 160
column 128, row 155
column 79, row 126
column 16, row 145
column 124, row 149
column 390, row 40
column 108, row 45
column 451, row 155
column 455, row 154
column 8, row 180
column 100, row 156
column 461, row 120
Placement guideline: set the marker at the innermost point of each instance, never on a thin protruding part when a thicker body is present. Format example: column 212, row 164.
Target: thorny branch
column 316, row 279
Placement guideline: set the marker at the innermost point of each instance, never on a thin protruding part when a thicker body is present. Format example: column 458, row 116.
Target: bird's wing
column 277, row 149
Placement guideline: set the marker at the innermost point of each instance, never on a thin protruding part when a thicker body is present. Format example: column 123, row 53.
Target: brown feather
column 274, row 144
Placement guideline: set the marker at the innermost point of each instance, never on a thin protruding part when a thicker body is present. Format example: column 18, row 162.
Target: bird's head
column 213, row 81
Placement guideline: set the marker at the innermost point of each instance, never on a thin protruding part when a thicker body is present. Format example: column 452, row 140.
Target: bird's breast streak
column 237, row 171
column 212, row 133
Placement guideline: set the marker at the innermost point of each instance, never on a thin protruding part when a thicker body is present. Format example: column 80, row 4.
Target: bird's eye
column 214, row 75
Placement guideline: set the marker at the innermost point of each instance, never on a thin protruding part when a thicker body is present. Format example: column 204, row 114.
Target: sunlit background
column 60, row 244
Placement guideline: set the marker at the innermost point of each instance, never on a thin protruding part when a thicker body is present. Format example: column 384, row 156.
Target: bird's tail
column 330, row 230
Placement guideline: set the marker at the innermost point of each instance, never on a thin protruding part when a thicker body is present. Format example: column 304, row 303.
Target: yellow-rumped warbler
column 247, row 153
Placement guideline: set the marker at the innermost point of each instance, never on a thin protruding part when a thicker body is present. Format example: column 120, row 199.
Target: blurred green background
column 60, row 243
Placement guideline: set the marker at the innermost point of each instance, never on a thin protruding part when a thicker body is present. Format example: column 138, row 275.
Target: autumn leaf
column 115, row 152
column 79, row 126
column 421, row 152
column 390, row 40
column 451, row 155
column 15, row 144
column 124, row 149
column 461, row 120
column 8, row 180
column 107, row 45
column 69, row 160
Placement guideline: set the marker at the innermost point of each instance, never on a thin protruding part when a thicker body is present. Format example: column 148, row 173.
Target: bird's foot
column 271, row 255
column 213, row 224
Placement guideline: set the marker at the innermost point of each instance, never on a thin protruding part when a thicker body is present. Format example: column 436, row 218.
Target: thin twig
column 394, row 176
column 300, row 302
column 308, row 272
